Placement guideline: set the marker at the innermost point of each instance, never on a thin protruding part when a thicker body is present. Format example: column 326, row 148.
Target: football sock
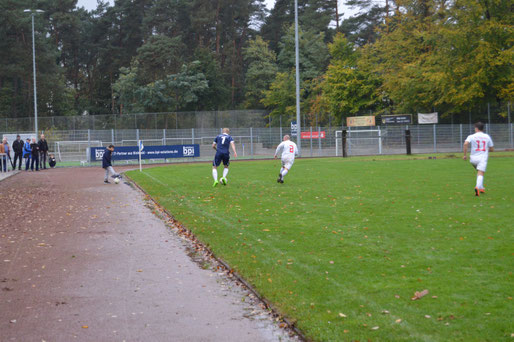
column 215, row 174
column 225, row 172
column 284, row 172
column 480, row 182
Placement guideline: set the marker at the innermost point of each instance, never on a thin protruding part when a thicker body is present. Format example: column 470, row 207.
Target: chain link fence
column 71, row 146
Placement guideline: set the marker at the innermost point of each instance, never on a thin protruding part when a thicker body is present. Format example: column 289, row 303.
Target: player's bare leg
column 223, row 179
column 215, row 175
column 479, row 188
column 283, row 173
column 280, row 175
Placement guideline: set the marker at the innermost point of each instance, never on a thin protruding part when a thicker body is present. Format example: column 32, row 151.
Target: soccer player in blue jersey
column 221, row 144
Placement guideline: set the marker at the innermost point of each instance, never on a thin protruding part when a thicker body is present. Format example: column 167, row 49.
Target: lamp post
column 297, row 54
column 33, row 13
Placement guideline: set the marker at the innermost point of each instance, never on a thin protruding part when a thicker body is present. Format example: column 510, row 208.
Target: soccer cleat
column 477, row 192
column 215, row 184
column 482, row 190
column 106, row 181
column 223, row 180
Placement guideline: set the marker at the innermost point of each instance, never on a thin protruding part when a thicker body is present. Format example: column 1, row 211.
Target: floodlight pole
column 297, row 53
column 32, row 14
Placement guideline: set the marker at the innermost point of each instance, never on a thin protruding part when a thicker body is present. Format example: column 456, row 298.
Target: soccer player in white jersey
column 288, row 150
column 481, row 144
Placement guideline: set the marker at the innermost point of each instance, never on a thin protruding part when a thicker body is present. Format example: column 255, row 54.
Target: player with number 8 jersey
column 288, row 150
column 480, row 145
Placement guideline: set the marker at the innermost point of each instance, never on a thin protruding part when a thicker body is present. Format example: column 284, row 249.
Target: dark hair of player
column 110, row 146
column 480, row 126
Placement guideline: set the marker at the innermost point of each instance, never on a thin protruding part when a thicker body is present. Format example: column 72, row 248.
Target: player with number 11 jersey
column 480, row 144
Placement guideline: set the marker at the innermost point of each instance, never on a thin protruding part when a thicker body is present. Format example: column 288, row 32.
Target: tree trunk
column 218, row 27
column 337, row 15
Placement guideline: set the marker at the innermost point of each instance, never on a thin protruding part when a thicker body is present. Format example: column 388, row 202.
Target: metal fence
column 72, row 145
column 176, row 120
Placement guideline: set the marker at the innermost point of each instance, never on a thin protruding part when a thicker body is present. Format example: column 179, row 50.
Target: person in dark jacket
column 17, row 147
column 35, row 155
column 27, row 153
column 43, row 151
column 107, row 164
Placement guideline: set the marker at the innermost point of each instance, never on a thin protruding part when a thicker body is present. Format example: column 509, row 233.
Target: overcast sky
column 91, row 4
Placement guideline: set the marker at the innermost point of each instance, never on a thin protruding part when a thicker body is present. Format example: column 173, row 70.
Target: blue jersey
column 223, row 143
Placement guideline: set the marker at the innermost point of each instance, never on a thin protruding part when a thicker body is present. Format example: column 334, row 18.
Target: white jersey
column 480, row 143
column 288, row 149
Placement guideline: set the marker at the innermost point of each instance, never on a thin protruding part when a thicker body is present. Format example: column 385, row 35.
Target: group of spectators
column 34, row 153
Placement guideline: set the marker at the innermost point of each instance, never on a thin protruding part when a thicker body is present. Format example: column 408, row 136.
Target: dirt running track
column 85, row 261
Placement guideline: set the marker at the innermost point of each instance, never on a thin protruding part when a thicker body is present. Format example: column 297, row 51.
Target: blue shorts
column 225, row 157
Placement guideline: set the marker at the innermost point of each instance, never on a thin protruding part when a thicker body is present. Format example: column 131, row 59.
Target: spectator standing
column 17, row 147
column 43, row 151
column 27, row 152
column 7, row 151
column 3, row 158
column 35, row 155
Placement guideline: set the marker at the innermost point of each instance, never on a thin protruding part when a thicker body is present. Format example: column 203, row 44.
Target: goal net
column 360, row 142
column 74, row 150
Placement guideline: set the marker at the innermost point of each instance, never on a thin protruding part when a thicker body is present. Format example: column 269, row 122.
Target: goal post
column 74, row 150
column 360, row 141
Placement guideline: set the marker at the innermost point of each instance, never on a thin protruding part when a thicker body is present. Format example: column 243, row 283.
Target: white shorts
column 287, row 163
column 479, row 162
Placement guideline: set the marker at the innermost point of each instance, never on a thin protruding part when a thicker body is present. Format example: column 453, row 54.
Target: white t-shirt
column 288, row 148
column 480, row 144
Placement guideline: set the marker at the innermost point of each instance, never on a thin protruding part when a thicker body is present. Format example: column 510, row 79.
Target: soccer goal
column 74, row 150
column 360, row 141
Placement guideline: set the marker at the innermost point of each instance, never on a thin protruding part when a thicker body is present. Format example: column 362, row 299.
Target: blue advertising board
column 149, row 152
column 294, row 128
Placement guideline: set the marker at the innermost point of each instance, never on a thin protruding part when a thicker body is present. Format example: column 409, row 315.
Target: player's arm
column 491, row 146
column 465, row 150
column 233, row 145
column 279, row 147
column 214, row 144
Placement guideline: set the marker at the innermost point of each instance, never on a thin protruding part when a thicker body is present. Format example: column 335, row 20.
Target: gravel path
column 85, row 261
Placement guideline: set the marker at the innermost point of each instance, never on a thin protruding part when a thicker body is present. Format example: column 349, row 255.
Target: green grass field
column 342, row 246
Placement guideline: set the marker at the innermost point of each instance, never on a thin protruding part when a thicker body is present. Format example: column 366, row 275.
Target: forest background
column 136, row 56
